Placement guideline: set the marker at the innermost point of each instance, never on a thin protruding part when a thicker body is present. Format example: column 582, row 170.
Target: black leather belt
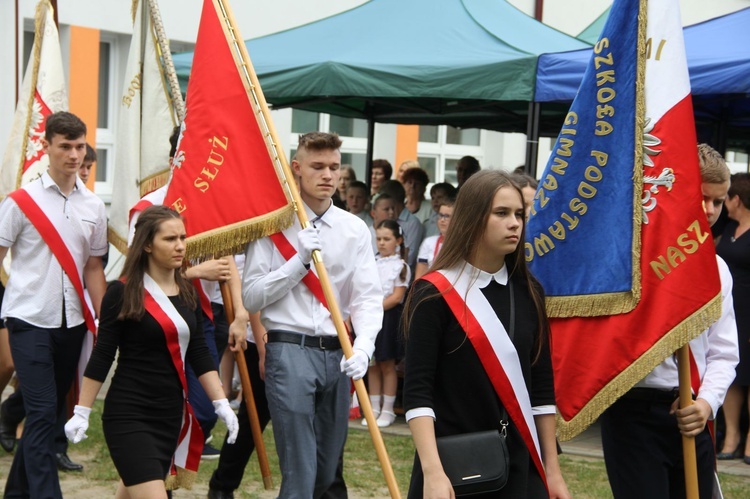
column 652, row 395
column 320, row 342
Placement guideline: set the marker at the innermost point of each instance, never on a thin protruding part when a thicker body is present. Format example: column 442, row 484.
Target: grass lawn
column 586, row 477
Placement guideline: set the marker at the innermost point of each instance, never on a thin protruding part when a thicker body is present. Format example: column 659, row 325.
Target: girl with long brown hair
column 477, row 355
column 154, row 320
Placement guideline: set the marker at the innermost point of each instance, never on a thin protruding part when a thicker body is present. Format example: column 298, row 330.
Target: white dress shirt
column 389, row 270
column 715, row 351
column 272, row 284
column 37, row 282
column 427, row 251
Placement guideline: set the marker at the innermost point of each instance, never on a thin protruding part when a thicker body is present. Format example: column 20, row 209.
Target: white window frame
column 105, row 137
column 443, row 151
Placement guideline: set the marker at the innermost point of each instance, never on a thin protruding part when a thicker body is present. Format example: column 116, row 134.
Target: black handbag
column 475, row 463
column 478, row 462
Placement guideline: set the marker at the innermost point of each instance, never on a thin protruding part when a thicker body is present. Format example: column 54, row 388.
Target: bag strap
column 511, row 332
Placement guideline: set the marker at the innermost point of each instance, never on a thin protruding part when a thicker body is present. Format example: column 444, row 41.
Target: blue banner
column 583, row 236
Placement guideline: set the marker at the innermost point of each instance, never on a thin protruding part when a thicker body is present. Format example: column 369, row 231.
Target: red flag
column 224, row 182
column 599, row 355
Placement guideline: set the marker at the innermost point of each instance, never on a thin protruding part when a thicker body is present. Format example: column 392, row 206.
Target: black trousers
column 13, row 413
column 45, row 361
column 234, row 457
column 643, row 448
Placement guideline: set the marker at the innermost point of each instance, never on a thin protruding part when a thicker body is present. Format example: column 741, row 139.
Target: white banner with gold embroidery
column 42, row 93
column 145, row 122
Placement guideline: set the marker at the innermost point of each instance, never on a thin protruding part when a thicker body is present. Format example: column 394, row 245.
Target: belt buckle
column 320, row 342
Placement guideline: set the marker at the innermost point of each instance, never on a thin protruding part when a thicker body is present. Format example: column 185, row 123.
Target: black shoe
column 210, row 452
column 219, row 494
column 7, row 435
column 65, row 464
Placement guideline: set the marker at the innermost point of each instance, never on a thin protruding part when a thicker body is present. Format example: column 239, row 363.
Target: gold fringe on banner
column 134, row 9
column 184, row 479
column 687, row 330
column 232, row 239
column 153, row 182
column 117, row 241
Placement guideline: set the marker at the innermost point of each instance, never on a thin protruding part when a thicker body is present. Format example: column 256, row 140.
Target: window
column 429, row 164
column 440, row 148
column 450, row 171
column 304, row 121
column 101, row 159
column 428, row 133
column 358, row 161
column 348, row 127
column 102, row 119
column 460, row 136
column 28, row 45
column 738, row 161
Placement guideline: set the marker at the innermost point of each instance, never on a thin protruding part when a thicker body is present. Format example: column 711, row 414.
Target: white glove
column 222, row 409
column 308, row 241
column 355, row 366
column 75, row 428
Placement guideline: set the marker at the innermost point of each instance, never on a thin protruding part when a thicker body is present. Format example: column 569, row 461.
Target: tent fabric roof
column 459, row 62
column 718, row 55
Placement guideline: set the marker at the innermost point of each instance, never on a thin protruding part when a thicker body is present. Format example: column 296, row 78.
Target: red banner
column 224, row 182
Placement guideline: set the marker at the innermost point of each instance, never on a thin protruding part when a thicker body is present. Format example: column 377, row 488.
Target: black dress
column 144, row 405
column 737, row 255
column 443, row 372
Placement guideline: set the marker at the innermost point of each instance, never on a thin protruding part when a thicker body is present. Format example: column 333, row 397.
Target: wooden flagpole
column 279, row 158
column 688, row 443
column 247, row 393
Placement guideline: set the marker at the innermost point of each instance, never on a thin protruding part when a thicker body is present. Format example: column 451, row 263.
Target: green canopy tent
column 465, row 63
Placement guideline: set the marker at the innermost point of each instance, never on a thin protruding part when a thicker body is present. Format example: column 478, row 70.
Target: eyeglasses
column 444, row 216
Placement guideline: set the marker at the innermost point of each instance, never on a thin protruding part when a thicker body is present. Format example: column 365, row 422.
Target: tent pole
column 370, row 151
column 532, row 138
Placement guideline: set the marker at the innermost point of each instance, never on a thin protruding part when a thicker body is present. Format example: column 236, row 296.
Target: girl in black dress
column 153, row 319
column 447, row 389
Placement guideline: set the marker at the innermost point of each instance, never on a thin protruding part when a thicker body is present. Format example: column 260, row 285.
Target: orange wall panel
column 83, row 90
column 407, row 137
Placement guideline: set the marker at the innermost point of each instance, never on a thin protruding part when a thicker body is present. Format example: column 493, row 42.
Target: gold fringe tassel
column 591, row 305
column 232, row 239
column 116, row 240
column 153, row 182
column 134, row 9
column 184, row 479
column 688, row 329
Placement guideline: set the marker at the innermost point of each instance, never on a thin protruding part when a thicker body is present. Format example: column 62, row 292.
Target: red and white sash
column 157, row 198
column 190, row 443
column 494, row 348
column 56, row 241
column 310, row 280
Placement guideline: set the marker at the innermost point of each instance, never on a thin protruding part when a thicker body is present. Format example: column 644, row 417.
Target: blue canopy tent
column 466, row 63
column 718, row 55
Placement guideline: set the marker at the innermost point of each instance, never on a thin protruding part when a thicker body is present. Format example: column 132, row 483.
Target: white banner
column 146, row 120
column 42, row 93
